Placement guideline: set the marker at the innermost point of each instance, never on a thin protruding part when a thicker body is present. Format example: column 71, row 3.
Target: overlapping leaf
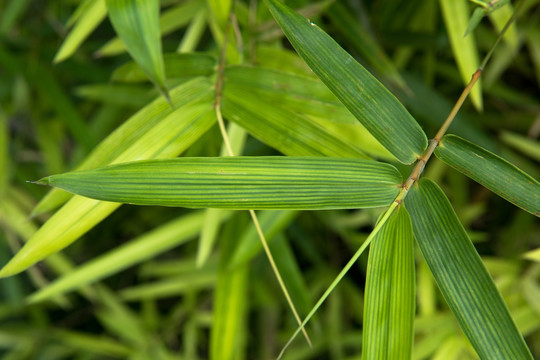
column 176, row 130
column 239, row 183
column 369, row 101
column 390, row 291
column 137, row 24
column 461, row 275
column 495, row 173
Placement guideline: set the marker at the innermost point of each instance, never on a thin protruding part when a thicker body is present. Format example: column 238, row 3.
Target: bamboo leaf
column 289, row 132
column 526, row 145
column 369, row 101
column 495, row 173
column 461, row 276
column 455, row 15
column 389, row 305
column 93, row 15
column 137, row 24
column 230, row 299
column 146, row 246
column 176, row 131
column 239, row 183
column 169, row 21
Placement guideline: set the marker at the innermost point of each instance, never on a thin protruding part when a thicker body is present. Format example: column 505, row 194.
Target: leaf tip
column 42, row 181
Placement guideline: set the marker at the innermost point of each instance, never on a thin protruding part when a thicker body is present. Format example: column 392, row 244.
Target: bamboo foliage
column 326, row 146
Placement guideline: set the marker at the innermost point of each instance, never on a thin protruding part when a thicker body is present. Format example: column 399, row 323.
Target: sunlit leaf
column 495, row 173
column 372, row 104
column 461, row 276
column 390, row 291
column 92, row 16
column 239, row 183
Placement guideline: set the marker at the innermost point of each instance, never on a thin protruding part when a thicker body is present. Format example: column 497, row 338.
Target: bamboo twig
column 413, row 177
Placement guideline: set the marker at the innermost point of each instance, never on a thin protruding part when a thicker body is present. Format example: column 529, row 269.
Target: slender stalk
column 230, row 152
column 413, row 177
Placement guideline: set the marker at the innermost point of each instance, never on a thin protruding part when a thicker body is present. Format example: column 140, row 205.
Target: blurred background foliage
column 163, row 303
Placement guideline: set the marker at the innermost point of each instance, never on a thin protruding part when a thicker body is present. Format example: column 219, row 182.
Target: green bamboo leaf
column 239, row 183
column 170, row 20
column 461, row 276
column 132, row 95
column 176, row 131
column 456, row 17
column 533, row 255
column 153, row 243
column 230, row 299
column 369, row 101
column 220, row 10
column 289, row 132
column 500, row 17
column 389, row 305
column 93, row 15
column 137, row 24
column 495, row 173
column 136, row 139
column 177, row 65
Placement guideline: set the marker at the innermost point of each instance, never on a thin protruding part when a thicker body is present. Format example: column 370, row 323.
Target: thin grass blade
column 495, row 173
column 240, row 183
column 137, row 24
column 369, row 101
column 389, row 304
column 461, row 275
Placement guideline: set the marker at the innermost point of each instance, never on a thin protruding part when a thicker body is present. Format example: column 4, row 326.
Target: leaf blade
column 369, row 101
column 461, row 275
column 240, row 183
column 390, row 291
column 137, row 24
column 492, row 171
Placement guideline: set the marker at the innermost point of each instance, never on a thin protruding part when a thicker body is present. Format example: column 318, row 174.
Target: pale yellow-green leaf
column 499, row 18
column 92, row 16
column 456, row 17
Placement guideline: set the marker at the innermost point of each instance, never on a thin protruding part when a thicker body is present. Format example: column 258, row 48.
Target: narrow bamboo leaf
column 493, row 172
column 526, row 145
column 92, row 16
column 220, row 11
column 177, row 65
column 369, row 101
column 118, row 94
column 12, row 11
column 289, row 132
column 145, row 247
column 230, row 299
column 533, row 255
column 137, row 24
column 176, row 132
column 97, row 344
column 456, row 17
column 389, row 304
column 194, row 32
column 533, row 44
column 170, row 20
column 136, row 139
column 239, row 183
column 461, row 276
